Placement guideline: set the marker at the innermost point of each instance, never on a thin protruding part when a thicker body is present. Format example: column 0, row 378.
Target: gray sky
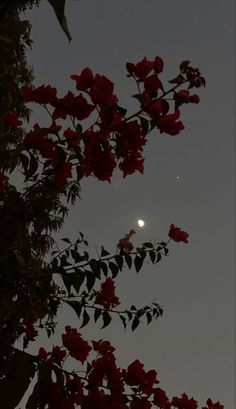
column 192, row 346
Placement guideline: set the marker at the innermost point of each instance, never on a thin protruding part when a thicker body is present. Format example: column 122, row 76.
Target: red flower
column 143, row 68
column 102, row 91
column 42, row 95
column 140, row 404
column 76, row 106
column 184, row 97
column 73, row 137
column 12, row 120
column 158, row 64
column 135, row 375
column 152, row 84
column 177, row 234
column 160, row 399
column 99, row 160
column 211, row 405
column 184, row 402
column 3, row 180
column 167, row 123
column 37, row 139
column 103, row 347
column 74, row 388
column 58, row 355
column 85, row 80
column 106, row 296
column 42, row 354
column 131, row 164
column 62, row 173
column 77, row 347
column 131, row 139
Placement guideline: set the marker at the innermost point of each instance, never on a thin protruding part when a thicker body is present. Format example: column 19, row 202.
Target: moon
column 141, row 223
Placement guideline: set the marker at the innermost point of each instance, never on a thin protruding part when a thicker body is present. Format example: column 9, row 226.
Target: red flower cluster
column 106, row 296
column 211, row 405
column 136, row 376
column 113, row 140
column 177, row 234
column 184, row 402
column 105, row 386
column 42, row 95
column 125, row 243
column 77, row 347
column 57, row 355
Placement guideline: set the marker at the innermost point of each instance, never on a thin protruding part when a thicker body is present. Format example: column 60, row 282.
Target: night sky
column 192, row 346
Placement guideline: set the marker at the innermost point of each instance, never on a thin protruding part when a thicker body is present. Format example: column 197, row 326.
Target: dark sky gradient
column 193, row 345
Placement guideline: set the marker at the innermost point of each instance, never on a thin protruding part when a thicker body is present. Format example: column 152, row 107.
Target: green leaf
column 97, row 314
column 148, row 245
column 104, row 268
column 158, row 257
column 77, row 307
column 59, row 7
column 86, row 319
column 152, row 255
column 128, row 260
column 177, row 80
column 73, row 280
column 90, row 279
column 66, row 240
column 135, row 323
column 114, row 269
column 106, row 319
column 138, row 262
column 104, row 252
column 149, row 317
column 119, row 261
column 33, row 166
column 123, row 319
column 18, row 371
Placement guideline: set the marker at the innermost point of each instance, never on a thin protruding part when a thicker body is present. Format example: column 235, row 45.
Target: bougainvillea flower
column 135, row 375
column 73, row 137
column 103, row 347
column 43, row 354
column 76, row 106
column 98, row 160
column 3, row 180
column 77, row 347
column 106, row 296
column 160, row 399
column 12, row 120
column 45, row 94
column 152, row 84
column 102, row 91
column 142, row 69
column 211, row 405
column 85, row 80
column 131, row 164
column 177, row 234
column 141, row 403
column 130, row 140
column 158, row 64
column 74, row 388
column 184, row 402
column 167, row 123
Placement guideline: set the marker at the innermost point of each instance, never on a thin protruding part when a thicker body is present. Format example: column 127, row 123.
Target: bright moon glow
column 141, row 223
